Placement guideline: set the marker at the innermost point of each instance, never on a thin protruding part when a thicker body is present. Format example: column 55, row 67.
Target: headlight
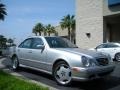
column 110, row 58
column 85, row 61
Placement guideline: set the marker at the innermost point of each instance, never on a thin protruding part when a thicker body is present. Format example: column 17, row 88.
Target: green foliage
column 50, row 29
column 69, row 23
column 10, row 40
column 9, row 82
column 34, row 31
column 38, row 28
column 3, row 41
column 2, row 11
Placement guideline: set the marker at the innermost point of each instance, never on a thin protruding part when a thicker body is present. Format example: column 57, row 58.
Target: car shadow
column 7, row 64
column 99, row 84
column 1, row 56
column 36, row 72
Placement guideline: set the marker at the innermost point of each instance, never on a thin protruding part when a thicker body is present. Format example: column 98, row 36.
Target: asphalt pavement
column 110, row 83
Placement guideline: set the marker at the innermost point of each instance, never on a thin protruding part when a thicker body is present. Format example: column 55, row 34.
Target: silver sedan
column 62, row 59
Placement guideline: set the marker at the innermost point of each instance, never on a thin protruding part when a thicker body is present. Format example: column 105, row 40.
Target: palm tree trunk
column 39, row 33
column 45, row 33
column 69, row 34
column 73, row 36
column 35, row 34
column 48, row 34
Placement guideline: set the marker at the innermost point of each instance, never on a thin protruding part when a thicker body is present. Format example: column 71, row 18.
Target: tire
column 0, row 53
column 15, row 63
column 62, row 73
column 117, row 57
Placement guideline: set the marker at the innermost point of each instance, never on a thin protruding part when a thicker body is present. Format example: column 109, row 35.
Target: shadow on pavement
column 99, row 84
column 1, row 56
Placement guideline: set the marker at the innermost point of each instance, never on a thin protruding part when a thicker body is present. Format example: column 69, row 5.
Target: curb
column 29, row 80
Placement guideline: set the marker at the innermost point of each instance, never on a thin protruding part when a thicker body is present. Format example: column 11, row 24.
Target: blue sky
column 24, row 14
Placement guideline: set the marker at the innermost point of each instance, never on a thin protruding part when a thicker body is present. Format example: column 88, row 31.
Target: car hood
column 85, row 52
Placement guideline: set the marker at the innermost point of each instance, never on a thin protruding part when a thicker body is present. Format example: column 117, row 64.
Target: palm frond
column 2, row 11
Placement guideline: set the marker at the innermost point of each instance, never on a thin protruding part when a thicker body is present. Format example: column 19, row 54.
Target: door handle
column 18, row 50
column 30, row 51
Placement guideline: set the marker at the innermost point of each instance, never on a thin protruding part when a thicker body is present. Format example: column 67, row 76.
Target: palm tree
column 2, row 11
column 45, row 31
column 10, row 41
column 50, row 29
column 3, row 41
column 38, row 28
column 68, row 22
column 73, row 28
column 34, row 31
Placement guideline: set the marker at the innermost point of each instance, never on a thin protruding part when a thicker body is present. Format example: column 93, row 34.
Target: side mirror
column 96, row 48
column 40, row 46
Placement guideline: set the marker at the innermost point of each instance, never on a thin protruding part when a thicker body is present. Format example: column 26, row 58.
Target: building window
column 88, row 35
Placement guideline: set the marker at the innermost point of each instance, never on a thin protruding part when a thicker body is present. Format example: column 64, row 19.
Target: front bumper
column 85, row 74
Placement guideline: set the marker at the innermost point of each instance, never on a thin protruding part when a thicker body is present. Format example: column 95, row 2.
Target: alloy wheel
column 15, row 63
column 62, row 74
column 117, row 57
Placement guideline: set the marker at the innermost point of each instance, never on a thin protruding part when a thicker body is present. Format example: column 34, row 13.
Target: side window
column 26, row 44
column 111, row 45
column 101, row 46
column 37, row 42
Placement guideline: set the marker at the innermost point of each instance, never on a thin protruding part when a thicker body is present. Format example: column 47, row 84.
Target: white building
column 97, row 21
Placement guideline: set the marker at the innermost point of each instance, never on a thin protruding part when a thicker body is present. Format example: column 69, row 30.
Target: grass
column 9, row 82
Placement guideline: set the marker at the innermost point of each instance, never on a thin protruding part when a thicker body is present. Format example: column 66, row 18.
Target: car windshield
column 59, row 42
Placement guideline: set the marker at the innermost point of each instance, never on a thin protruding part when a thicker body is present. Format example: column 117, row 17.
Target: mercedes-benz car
column 62, row 59
column 112, row 48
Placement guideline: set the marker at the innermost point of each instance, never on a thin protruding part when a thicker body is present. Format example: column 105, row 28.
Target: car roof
column 41, row 36
column 116, row 43
column 112, row 43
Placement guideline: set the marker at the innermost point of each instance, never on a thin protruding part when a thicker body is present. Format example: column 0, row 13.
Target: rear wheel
column 0, row 53
column 117, row 57
column 15, row 63
column 62, row 73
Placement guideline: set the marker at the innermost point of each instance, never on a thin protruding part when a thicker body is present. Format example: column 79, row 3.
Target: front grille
column 102, row 61
column 105, row 73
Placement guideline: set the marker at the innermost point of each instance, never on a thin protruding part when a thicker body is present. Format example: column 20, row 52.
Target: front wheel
column 62, row 73
column 15, row 63
column 117, row 57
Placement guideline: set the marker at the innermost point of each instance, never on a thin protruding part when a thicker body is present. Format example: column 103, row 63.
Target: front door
column 39, row 54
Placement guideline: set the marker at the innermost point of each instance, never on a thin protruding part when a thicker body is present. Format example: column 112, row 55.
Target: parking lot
column 110, row 83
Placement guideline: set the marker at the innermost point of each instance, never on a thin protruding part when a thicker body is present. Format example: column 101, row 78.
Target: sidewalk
column 7, row 70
